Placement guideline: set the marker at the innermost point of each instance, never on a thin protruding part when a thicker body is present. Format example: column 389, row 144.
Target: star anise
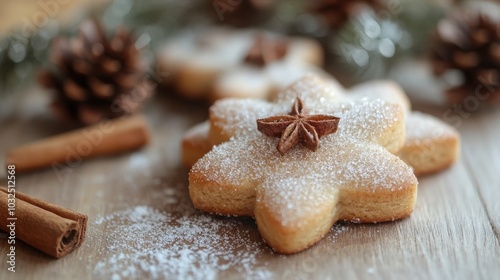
column 297, row 127
column 266, row 50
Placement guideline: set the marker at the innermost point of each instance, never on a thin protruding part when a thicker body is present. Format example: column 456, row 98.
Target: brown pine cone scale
column 95, row 77
column 469, row 43
column 335, row 13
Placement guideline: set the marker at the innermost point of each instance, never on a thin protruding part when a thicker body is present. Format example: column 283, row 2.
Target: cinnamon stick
column 67, row 150
column 52, row 229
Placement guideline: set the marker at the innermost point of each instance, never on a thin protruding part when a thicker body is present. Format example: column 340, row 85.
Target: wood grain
column 453, row 233
column 483, row 162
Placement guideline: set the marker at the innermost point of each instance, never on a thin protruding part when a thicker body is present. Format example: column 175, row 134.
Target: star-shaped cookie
column 296, row 197
column 214, row 63
column 430, row 146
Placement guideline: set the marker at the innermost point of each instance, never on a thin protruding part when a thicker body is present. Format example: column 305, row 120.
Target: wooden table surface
column 28, row 14
column 454, row 232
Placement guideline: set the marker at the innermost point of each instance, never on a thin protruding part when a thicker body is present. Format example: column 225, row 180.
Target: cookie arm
column 195, row 143
column 224, row 180
column 431, row 145
column 377, row 186
column 380, row 89
column 233, row 116
column 295, row 213
column 375, row 121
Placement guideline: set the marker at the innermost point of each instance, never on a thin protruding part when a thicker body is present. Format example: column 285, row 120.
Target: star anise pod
column 266, row 50
column 298, row 127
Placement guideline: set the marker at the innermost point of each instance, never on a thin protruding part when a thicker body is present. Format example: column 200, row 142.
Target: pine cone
column 469, row 42
column 242, row 13
column 335, row 13
column 96, row 78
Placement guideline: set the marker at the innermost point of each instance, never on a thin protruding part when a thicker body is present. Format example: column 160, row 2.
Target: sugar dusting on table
column 147, row 243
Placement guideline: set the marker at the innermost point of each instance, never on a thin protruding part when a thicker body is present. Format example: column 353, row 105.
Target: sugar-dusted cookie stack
column 430, row 146
column 216, row 63
column 314, row 155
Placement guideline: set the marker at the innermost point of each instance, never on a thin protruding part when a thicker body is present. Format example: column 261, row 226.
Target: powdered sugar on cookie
column 425, row 127
column 360, row 119
column 292, row 189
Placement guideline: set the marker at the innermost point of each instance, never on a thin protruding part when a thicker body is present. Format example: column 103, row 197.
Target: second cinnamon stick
column 55, row 230
column 69, row 149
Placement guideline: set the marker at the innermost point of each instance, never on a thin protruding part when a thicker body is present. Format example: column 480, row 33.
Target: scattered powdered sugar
column 138, row 160
column 337, row 230
column 146, row 243
column 139, row 165
column 371, row 270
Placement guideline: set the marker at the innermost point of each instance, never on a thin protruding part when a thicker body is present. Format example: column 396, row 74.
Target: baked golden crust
column 431, row 145
column 354, row 206
column 295, row 198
